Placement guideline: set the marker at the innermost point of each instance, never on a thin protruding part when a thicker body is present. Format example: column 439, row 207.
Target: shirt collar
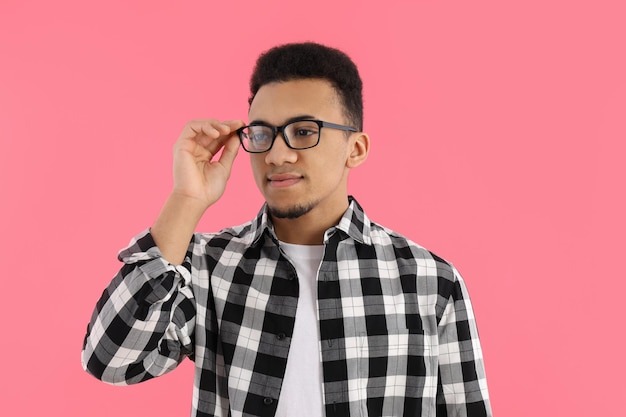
column 353, row 223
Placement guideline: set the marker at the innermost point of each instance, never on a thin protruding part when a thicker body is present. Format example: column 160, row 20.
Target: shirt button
column 280, row 336
column 268, row 401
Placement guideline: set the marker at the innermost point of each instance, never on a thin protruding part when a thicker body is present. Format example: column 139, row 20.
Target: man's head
column 313, row 61
column 304, row 134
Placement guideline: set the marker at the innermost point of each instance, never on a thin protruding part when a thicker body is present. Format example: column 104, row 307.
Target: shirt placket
column 335, row 365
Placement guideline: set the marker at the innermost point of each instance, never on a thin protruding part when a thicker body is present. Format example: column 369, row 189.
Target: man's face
column 296, row 182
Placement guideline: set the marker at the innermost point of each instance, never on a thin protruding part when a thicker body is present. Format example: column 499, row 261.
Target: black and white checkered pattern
column 398, row 335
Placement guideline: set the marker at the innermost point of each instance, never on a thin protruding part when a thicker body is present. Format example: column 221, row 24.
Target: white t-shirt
column 301, row 393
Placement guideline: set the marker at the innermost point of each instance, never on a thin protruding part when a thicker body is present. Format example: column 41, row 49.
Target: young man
column 309, row 309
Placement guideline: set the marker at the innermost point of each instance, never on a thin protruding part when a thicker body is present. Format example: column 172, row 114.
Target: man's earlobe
column 360, row 150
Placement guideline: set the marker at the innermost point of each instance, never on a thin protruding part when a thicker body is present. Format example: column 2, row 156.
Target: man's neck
column 309, row 228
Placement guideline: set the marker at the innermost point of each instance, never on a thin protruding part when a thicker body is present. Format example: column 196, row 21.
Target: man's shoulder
column 243, row 234
column 407, row 250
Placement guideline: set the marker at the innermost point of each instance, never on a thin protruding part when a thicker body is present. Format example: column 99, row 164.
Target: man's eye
column 305, row 132
column 259, row 137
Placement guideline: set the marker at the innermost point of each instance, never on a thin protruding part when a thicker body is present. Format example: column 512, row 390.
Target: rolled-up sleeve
column 142, row 326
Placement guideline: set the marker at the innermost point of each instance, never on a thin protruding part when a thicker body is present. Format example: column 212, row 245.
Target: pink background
column 497, row 133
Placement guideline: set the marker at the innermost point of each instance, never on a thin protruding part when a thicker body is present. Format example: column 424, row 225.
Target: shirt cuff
column 142, row 249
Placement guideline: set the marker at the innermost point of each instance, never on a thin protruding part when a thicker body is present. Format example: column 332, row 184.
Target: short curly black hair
column 294, row 61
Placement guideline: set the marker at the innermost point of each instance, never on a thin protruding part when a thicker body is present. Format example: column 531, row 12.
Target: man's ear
column 360, row 148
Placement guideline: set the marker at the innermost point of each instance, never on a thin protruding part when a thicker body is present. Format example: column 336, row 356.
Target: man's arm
column 143, row 324
column 462, row 385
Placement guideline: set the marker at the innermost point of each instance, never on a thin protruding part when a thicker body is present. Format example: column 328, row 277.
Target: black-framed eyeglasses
column 300, row 134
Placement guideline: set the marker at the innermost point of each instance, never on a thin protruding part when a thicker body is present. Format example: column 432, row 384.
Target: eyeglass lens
column 300, row 135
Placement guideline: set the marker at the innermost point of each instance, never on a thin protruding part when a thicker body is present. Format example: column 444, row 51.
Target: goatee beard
column 292, row 212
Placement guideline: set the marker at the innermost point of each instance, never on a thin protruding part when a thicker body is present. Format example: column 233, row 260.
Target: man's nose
column 280, row 153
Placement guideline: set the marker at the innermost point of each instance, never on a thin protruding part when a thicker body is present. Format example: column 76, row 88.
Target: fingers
column 231, row 147
column 211, row 134
column 207, row 130
column 234, row 124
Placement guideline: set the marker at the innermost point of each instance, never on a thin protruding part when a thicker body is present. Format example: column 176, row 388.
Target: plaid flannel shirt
column 397, row 331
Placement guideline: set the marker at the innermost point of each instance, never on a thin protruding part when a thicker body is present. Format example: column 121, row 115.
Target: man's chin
column 290, row 212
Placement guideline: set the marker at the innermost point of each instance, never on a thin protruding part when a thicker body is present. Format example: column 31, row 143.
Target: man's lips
column 283, row 180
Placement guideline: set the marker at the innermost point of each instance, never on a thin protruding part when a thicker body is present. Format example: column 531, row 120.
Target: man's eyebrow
column 291, row 119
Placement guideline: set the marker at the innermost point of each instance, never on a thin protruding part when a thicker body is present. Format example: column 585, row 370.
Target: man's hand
column 196, row 174
column 199, row 181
